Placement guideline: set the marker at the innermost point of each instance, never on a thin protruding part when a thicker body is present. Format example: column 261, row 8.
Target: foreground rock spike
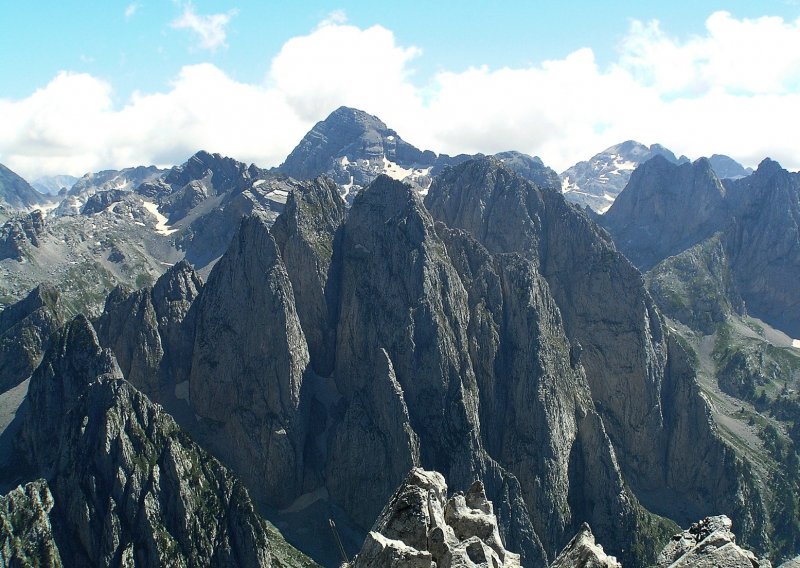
column 421, row 528
column 583, row 552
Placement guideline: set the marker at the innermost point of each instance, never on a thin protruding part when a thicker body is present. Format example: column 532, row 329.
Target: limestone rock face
column 583, row 552
column 421, row 527
column 129, row 487
column 25, row 330
column 657, row 191
column 613, row 332
column 708, row 543
column 667, row 209
column 149, row 332
column 129, row 327
column 764, row 244
column 26, row 535
column 248, row 363
column 305, row 234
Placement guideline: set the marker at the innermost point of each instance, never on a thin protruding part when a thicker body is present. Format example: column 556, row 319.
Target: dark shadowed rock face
column 598, row 181
column 25, row 330
column 149, row 332
column 665, row 209
column 128, row 485
column 763, row 244
column 248, row 362
column 416, row 290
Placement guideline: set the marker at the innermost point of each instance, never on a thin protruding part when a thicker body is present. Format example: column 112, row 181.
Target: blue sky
column 140, row 55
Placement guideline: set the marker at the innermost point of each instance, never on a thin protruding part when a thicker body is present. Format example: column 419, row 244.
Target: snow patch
column 796, row 343
column 161, row 222
column 259, row 182
column 394, row 171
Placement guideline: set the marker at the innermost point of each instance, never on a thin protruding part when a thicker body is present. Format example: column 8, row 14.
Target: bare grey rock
column 658, row 191
column 151, row 332
column 419, row 526
column 583, row 552
column 708, row 543
column 20, row 233
column 305, row 233
column 25, row 330
column 615, row 334
column 598, row 181
column 248, row 363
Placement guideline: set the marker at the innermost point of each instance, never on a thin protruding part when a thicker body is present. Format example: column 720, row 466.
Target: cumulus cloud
column 733, row 89
column 210, row 29
column 130, row 10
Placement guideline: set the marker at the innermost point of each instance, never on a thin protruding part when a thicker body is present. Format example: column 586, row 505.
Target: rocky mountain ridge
column 667, row 209
column 423, row 328
column 353, row 148
column 597, row 182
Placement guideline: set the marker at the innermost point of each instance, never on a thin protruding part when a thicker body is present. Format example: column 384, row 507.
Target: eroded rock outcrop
column 641, row 382
column 708, row 543
column 583, row 552
column 305, row 234
column 421, row 527
column 151, row 331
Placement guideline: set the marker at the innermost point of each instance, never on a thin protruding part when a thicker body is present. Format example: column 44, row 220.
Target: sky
column 91, row 86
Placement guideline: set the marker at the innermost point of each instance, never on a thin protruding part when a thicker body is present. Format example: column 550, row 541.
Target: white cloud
column 130, row 10
column 733, row 90
column 210, row 30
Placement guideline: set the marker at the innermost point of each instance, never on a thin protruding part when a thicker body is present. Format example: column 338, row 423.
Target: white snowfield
column 161, row 222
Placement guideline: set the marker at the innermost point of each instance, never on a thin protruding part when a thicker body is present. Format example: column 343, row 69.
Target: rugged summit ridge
column 667, row 209
column 597, row 181
column 642, row 219
column 128, row 486
column 585, row 275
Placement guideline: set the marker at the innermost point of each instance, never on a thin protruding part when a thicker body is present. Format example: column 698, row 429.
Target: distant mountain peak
column 597, row 181
column 17, row 193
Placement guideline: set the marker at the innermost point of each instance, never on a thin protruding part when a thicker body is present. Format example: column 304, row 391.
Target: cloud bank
column 735, row 89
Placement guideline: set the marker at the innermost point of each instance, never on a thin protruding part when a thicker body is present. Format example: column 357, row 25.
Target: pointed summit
column 353, row 148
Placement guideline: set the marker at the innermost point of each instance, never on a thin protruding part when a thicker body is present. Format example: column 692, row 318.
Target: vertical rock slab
column 248, row 362
column 305, row 233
